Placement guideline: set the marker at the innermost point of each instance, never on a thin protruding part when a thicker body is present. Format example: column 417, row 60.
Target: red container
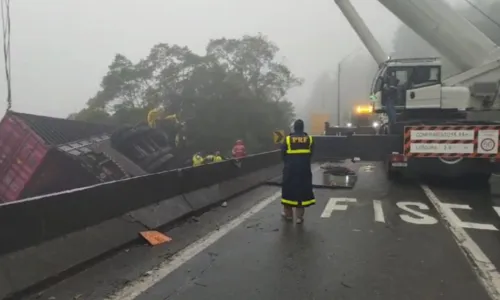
column 21, row 153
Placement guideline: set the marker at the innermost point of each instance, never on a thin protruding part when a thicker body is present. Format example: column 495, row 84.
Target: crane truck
column 446, row 126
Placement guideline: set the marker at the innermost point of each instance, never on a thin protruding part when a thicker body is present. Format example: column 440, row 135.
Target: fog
column 61, row 48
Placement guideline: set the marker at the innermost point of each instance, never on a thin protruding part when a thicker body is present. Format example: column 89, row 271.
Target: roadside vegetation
column 235, row 90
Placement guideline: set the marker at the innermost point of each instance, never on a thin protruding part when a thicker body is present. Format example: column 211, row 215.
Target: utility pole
column 338, row 92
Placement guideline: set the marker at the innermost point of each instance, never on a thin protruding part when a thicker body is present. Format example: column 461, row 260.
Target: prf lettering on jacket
column 300, row 139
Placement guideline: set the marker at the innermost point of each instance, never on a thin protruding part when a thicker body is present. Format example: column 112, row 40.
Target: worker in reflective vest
column 297, row 188
column 198, row 159
column 209, row 158
column 218, row 157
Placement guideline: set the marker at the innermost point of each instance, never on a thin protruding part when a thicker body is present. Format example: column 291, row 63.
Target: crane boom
column 447, row 31
column 362, row 31
column 476, row 87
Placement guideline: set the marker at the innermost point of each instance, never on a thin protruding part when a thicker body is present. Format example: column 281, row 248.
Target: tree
column 253, row 58
column 237, row 89
column 93, row 115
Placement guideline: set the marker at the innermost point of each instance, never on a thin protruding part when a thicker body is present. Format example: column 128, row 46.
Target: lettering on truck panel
column 442, row 148
column 442, row 135
column 476, row 141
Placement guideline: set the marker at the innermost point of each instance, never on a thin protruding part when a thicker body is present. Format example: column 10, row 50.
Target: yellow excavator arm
column 153, row 115
column 156, row 114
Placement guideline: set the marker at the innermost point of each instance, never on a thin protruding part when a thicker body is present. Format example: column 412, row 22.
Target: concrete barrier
column 43, row 218
column 341, row 147
column 203, row 197
column 161, row 213
column 46, row 236
column 31, row 266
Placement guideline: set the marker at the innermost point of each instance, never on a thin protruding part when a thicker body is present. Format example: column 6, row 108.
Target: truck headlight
column 349, row 124
column 375, row 124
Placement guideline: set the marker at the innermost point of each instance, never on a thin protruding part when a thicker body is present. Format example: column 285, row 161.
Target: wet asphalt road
column 396, row 247
column 348, row 254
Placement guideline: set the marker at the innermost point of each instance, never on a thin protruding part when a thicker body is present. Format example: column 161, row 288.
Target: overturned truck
column 152, row 149
column 41, row 155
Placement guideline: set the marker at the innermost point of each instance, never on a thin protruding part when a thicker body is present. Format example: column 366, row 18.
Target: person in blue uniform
column 391, row 100
column 297, row 189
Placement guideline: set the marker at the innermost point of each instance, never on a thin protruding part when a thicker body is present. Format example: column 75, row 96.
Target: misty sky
column 61, row 48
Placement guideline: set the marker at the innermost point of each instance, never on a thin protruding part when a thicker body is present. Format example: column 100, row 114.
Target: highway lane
column 477, row 212
column 377, row 241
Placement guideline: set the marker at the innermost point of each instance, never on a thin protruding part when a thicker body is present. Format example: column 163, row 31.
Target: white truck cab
column 419, row 86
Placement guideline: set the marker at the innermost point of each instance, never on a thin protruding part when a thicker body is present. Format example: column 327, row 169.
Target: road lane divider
column 416, row 213
column 379, row 211
column 135, row 288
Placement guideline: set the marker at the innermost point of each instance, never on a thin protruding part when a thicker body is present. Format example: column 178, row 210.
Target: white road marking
column 481, row 264
column 456, row 220
column 423, row 219
column 379, row 211
column 333, row 205
column 497, row 210
column 138, row 287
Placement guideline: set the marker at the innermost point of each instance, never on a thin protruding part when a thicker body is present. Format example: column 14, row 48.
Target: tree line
column 235, row 90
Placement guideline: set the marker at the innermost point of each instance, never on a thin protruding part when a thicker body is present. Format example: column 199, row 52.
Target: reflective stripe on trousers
column 296, row 203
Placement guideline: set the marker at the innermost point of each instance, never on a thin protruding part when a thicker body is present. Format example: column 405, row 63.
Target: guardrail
column 44, row 236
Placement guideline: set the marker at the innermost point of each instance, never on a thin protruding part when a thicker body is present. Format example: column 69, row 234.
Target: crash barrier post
column 42, row 237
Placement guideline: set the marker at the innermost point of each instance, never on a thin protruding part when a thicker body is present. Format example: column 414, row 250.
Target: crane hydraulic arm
column 362, row 31
column 446, row 30
column 475, row 89
column 462, row 43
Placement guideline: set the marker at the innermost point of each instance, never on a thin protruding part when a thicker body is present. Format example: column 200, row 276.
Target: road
column 376, row 241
